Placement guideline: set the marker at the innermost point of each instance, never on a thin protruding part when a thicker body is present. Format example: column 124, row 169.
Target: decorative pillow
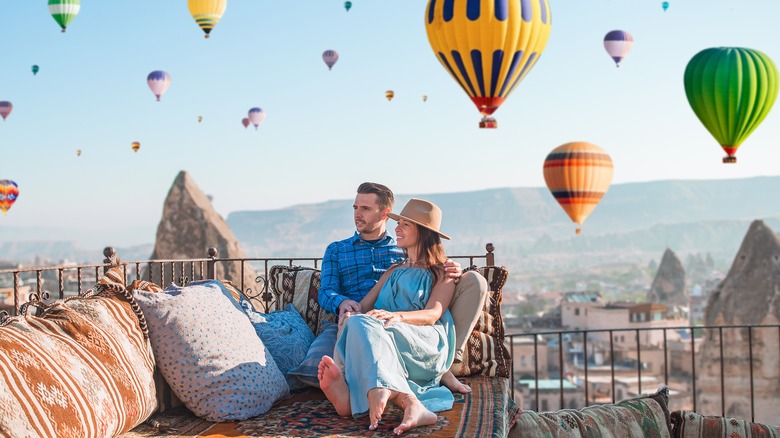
column 687, row 424
column 82, row 367
column 286, row 336
column 299, row 285
column 209, row 353
column 323, row 344
column 644, row 416
column 485, row 353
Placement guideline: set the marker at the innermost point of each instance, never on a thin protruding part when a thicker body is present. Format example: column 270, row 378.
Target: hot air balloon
column 488, row 47
column 5, row 109
column 35, row 69
column 256, row 116
column 135, row 145
column 200, row 119
column 731, row 90
column 665, row 6
column 330, row 57
column 389, row 95
column 618, row 43
column 9, row 192
column 425, row 98
column 578, row 175
column 207, row 13
column 347, row 6
column 78, row 152
column 64, row 11
column 158, row 81
column 245, row 122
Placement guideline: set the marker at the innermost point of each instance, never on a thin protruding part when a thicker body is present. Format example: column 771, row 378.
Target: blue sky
column 327, row 131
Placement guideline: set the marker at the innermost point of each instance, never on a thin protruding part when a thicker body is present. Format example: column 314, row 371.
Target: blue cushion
column 285, row 334
column 323, row 345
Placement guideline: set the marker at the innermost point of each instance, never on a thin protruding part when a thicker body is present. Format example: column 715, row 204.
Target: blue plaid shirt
column 351, row 267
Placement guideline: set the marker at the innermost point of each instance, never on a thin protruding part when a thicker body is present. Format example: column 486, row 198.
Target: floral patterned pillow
column 688, row 424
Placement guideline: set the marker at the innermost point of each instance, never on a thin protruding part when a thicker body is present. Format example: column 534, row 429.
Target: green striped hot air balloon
column 731, row 90
column 64, row 11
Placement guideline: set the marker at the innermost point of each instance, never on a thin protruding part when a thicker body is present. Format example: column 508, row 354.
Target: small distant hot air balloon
column 135, row 145
column 665, row 5
column 389, row 94
column 245, row 122
column 64, row 11
column 256, row 116
column 488, row 47
column 158, row 82
column 618, row 43
column 78, row 152
column 9, row 192
column 731, row 90
column 425, row 98
column 330, row 57
column 207, row 13
column 5, row 109
column 35, row 69
column 578, row 175
column 200, row 119
column 347, row 6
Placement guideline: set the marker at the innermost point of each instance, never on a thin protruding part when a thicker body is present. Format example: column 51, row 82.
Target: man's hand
column 349, row 306
column 453, row 270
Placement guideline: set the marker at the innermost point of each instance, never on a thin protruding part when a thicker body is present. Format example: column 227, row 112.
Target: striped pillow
column 299, row 286
column 485, row 353
column 83, row 367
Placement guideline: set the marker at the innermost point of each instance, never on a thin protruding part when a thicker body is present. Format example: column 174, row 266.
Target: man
column 351, row 267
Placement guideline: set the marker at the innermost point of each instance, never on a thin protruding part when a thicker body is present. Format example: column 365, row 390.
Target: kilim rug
column 486, row 412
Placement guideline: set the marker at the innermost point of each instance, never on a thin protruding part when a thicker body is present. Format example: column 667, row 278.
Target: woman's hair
column 431, row 252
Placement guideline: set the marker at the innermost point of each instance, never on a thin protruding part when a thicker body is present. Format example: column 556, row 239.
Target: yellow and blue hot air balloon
column 488, row 46
column 207, row 13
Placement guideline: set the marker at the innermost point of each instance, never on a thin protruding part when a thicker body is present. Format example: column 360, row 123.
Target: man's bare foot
column 333, row 385
column 450, row 381
column 415, row 415
column 377, row 402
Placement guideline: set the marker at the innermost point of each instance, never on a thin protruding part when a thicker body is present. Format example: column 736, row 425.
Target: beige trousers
column 466, row 307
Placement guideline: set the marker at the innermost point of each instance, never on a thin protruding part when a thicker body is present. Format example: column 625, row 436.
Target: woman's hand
column 384, row 315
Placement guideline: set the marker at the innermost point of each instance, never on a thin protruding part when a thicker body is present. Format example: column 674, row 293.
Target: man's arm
column 329, row 295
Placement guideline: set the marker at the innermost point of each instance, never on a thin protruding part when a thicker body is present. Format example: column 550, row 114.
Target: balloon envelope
column 665, row 6
column 35, row 69
column 64, row 11
column 135, row 145
column 330, row 57
column 425, row 98
column 78, row 152
column 389, row 94
column 245, row 122
column 200, row 119
column 207, row 13
column 6, row 108
column 9, row 192
column 256, row 116
column 158, row 82
column 347, row 6
column 731, row 90
column 578, row 175
column 488, row 47
column 618, row 43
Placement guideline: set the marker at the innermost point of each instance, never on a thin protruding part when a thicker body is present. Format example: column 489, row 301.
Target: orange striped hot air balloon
column 578, row 175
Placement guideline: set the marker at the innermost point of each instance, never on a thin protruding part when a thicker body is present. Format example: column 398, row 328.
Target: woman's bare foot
column 415, row 415
column 377, row 402
column 333, row 385
column 450, row 381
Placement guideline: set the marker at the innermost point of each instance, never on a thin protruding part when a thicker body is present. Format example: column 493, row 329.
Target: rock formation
column 669, row 283
column 750, row 294
column 189, row 226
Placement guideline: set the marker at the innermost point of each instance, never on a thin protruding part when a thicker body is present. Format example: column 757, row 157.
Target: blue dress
column 406, row 358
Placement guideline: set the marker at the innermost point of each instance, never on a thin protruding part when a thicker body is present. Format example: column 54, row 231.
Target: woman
column 400, row 346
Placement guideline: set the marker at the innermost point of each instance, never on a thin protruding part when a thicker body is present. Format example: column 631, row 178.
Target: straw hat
column 423, row 213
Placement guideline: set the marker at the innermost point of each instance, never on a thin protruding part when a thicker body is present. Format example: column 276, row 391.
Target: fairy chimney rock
column 669, row 283
column 189, row 226
column 750, row 293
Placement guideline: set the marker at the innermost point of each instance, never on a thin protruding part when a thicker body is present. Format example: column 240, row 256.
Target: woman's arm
column 439, row 301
